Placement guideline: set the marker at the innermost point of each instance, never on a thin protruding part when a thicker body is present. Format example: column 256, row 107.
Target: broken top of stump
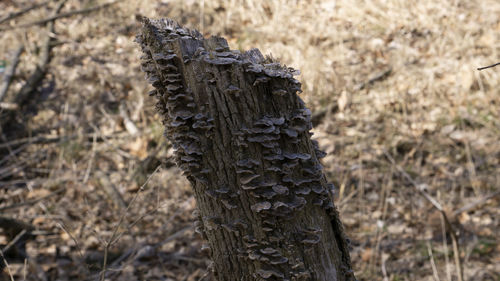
column 215, row 49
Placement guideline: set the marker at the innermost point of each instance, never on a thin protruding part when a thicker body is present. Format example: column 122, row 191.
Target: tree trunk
column 241, row 136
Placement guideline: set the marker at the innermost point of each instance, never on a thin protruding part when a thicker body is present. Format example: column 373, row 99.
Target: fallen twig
column 65, row 15
column 15, row 240
column 489, row 66
column 421, row 190
column 14, row 15
column 10, row 71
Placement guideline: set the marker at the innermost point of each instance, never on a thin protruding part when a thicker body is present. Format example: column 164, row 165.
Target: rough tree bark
column 241, row 135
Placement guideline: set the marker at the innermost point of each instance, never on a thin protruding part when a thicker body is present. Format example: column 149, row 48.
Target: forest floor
column 86, row 175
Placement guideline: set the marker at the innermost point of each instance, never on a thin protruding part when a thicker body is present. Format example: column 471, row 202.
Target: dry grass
column 434, row 113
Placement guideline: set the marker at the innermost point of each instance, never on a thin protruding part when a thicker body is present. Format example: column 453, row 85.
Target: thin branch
column 15, row 240
column 4, row 260
column 14, row 15
column 65, row 15
column 10, row 71
column 115, row 235
column 489, row 66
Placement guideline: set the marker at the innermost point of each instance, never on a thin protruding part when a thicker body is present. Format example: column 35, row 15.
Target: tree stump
column 241, row 136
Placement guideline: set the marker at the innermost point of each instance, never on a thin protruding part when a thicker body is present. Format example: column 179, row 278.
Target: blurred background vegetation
column 399, row 107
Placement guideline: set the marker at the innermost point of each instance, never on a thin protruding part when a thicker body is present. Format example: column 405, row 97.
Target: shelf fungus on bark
column 241, row 135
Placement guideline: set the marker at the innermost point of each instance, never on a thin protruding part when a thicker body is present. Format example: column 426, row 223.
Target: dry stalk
column 6, row 265
column 115, row 235
column 77, row 245
column 433, row 263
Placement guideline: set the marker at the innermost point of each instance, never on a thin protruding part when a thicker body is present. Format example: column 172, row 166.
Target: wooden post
column 241, row 136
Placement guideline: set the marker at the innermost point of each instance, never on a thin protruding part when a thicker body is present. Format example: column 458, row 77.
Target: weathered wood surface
column 241, row 136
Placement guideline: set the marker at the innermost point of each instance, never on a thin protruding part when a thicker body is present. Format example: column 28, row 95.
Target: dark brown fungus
column 244, row 171
column 280, row 189
column 290, row 132
column 247, row 163
column 268, row 194
column 254, row 255
column 261, row 206
column 302, row 190
column 268, row 251
column 181, row 114
column 188, row 158
column 311, row 239
column 198, row 227
column 172, row 88
column 273, row 169
column 318, row 188
column 266, row 274
column 233, row 90
column 226, row 54
column 264, row 130
column 177, row 123
column 279, row 204
column 248, row 178
column 273, row 157
column 261, row 80
column 263, row 138
column 293, row 156
column 297, row 203
column 254, row 68
column 250, row 186
column 168, row 67
column 279, row 92
column 222, row 190
column 220, row 60
column 269, row 144
column 278, row 260
column 317, row 201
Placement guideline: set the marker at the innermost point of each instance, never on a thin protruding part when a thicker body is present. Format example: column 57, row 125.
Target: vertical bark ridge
column 241, row 136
